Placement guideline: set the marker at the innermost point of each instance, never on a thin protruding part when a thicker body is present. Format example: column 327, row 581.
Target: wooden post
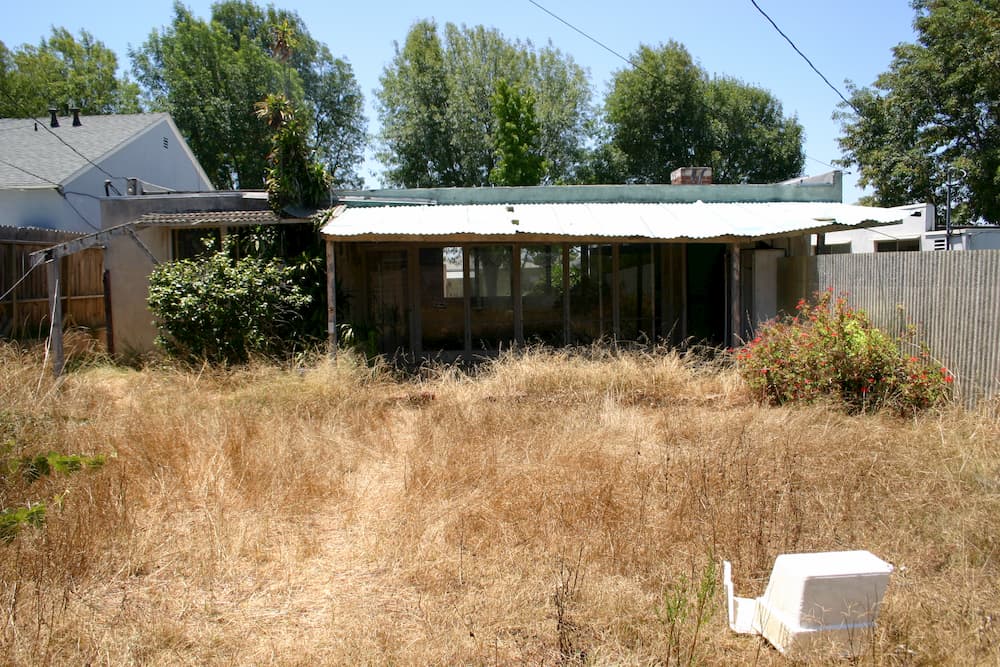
column 566, row 284
column 13, row 292
column 109, row 323
column 734, row 296
column 515, row 288
column 413, row 297
column 331, row 300
column 616, row 292
column 467, row 302
column 56, row 322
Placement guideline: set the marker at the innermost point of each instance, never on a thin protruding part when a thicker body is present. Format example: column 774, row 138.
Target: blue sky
column 847, row 40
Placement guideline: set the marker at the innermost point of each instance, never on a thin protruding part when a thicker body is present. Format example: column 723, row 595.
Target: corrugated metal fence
column 24, row 312
column 952, row 297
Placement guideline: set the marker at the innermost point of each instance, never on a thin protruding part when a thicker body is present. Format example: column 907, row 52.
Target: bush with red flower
column 829, row 349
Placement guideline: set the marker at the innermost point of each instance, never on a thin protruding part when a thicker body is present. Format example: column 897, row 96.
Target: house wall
column 952, row 297
column 919, row 220
column 129, row 267
column 826, row 188
column 157, row 155
column 43, row 208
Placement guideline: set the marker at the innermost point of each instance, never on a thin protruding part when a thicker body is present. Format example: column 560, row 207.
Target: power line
column 19, row 281
column 789, row 40
column 595, row 40
column 59, row 189
column 32, row 174
column 66, row 143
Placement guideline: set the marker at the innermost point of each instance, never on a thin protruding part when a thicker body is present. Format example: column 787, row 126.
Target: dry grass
column 546, row 511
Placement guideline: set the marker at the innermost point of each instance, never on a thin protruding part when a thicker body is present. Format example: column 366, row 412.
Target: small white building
column 55, row 172
column 918, row 231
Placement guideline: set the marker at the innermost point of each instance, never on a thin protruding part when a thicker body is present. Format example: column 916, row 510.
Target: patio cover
column 698, row 221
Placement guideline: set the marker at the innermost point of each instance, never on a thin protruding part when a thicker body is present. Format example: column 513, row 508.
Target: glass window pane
column 542, row 293
column 492, row 302
column 442, row 313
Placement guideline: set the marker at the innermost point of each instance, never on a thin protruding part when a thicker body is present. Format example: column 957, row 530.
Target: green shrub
column 224, row 310
column 829, row 349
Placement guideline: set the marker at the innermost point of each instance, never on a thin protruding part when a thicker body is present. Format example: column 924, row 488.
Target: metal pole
column 947, row 216
column 55, row 311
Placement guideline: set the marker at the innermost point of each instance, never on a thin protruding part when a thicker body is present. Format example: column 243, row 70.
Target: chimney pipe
column 76, row 116
column 53, row 121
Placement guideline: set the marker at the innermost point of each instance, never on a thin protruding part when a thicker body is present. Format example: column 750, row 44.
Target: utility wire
column 62, row 193
column 595, row 40
column 33, row 175
column 19, row 281
column 66, row 143
column 789, row 40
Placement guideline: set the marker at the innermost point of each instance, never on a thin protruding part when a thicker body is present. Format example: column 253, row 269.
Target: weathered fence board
column 24, row 312
column 953, row 298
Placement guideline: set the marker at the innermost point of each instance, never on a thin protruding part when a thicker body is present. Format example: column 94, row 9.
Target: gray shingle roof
column 33, row 157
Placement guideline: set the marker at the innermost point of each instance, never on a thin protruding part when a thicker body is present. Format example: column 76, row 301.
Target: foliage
column 210, row 74
column 224, row 310
column 666, row 112
column 829, row 349
column 519, row 159
column 64, row 71
column 29, row 469
column 937, row 107
column 439, row 120
column 294, row 178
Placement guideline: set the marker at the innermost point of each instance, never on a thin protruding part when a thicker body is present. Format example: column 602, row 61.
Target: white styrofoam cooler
column 815, row 602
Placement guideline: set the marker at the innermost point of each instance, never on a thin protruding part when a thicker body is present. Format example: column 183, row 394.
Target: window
column 834, row 249
column 191, row 243
column 898, row 245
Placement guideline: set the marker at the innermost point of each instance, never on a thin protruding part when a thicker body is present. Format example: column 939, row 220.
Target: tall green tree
column 210, row 74
column 666, row 112
column 64, row 71
column 936, row 110
column 436, row 106
column 517, row 137
column 750, row 138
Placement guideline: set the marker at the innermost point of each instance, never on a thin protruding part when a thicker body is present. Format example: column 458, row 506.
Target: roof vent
column 76, row 116
column 53, row 121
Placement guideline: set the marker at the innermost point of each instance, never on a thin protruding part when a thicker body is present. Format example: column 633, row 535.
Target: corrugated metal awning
column 662, row 222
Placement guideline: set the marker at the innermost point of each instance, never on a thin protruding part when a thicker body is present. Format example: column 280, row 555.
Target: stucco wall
column 130, row 267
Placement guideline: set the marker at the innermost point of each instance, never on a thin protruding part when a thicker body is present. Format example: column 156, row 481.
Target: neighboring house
column 54, row 175
column 54, row 172
column 475, row 270
column 918, row 231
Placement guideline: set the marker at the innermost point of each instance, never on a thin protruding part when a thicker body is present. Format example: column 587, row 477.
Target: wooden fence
column 953, row 298
column 24, row 312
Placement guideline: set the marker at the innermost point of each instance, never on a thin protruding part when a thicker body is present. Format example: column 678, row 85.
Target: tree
column 294, row 178
column 657, row 114
column 750, row 138
column 439, row 123
column 209, row 76
column 936, row 109
column 517, row 137
column 666, row 112
column 64, row 71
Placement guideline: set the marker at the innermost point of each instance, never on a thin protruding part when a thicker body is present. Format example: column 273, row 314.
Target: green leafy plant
column 224, row 310
column 12, row 520
column 687, row 606
column 829, row 349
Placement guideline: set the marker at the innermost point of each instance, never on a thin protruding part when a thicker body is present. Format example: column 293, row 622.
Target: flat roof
column 698, row 221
